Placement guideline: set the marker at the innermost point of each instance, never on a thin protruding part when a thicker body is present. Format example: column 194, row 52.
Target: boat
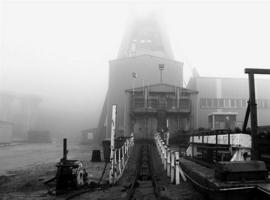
column 225, row 164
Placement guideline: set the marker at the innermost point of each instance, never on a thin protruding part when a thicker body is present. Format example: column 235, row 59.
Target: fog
column 59, row 50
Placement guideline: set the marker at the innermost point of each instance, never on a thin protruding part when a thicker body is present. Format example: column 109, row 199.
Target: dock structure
column 144, row 177
column 157, row 111
column 157, row 171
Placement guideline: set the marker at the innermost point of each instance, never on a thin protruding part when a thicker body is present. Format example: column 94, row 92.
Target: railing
column 169, row 108
column 120, row 159
column 170, row 160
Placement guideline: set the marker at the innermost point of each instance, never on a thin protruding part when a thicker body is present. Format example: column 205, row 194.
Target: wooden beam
column 253, row 117
column 244, row 128
column 257, row 71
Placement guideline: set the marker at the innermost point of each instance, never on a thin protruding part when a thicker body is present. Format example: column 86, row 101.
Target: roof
column 163, row 87
column 146, row 55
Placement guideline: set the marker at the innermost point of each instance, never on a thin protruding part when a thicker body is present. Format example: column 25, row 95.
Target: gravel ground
column 24, row 169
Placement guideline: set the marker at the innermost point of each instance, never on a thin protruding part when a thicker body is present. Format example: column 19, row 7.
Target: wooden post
column 168, row 162
column 177, row 173
column 112, row 174
column 132, row 138
column 172, row 167
column 163, row 152
column 119, row 161
column 216, row 149
column 165, row 158
column 65, row 151
column 253, row 109
column 167, row 137
column 192, row 153
column 115, row 165
column 123, row 156
column 253, row 117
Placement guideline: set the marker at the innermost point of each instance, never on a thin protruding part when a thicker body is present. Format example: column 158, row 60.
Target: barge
column 225, row 164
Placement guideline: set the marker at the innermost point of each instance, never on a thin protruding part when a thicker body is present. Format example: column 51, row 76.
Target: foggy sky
column 61, row 49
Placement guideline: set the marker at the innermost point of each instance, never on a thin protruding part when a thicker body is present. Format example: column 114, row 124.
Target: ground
column 32, row 167
column 24, row 168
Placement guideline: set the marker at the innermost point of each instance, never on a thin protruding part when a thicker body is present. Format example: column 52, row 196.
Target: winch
column 70, row 173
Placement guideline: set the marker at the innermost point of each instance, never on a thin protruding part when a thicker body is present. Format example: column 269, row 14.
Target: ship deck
column 204, row 179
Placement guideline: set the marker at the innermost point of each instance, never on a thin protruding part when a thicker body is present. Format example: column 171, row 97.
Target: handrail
column 170, row 160
column 120, row 159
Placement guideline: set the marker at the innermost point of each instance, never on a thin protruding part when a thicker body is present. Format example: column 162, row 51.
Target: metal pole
column 253, row 116
column 133, row 85
column 65, row 152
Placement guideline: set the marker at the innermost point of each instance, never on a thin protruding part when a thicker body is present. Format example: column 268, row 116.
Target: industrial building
column 227, row 97
column 145, row 75
column 20, row 111
column 143, row 49
column 158, row 106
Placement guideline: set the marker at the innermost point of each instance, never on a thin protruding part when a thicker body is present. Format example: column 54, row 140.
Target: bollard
column 172, row 167
column 168, row 162
column 177, row 173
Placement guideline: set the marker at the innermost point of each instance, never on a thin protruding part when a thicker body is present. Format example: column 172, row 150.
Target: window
column 238, row 103
column 208, row 103
column 227, row 103
column 215, row 103
column 221, row 103
column 202, row 103
column 233, row 104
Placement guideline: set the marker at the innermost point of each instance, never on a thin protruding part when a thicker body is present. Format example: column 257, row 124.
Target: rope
column 103, row 172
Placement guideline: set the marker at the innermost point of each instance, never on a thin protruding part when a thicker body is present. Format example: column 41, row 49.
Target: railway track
column 144, row 185
column 144, row 179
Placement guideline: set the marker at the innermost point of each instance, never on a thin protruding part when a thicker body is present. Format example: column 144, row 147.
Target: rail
column 120, row 159
column 144, row 183
column 170, row 160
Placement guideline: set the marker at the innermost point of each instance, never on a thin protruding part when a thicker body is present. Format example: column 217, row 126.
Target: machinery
column 70, row 173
